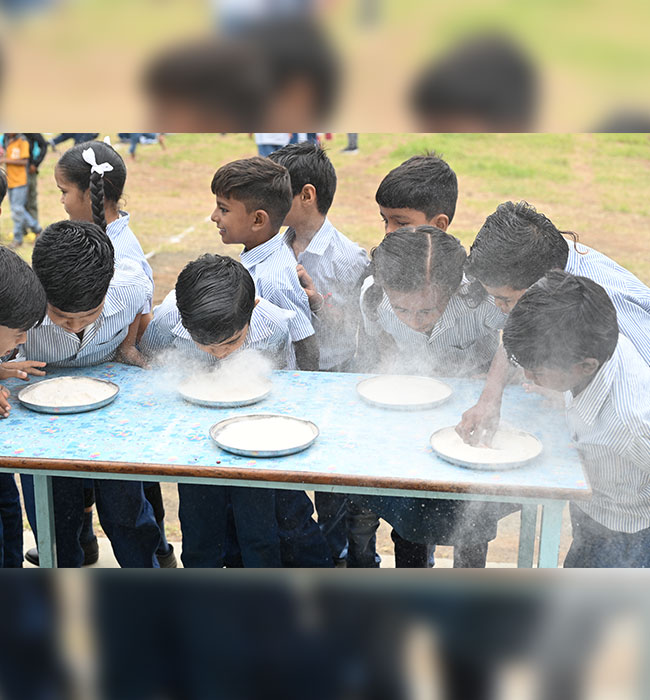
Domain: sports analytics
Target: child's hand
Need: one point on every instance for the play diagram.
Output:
(554, 399)
(479, 423)
(130, 355)
(5, 406)
(22, 370)
(316, 299)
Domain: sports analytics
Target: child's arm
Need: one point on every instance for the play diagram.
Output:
(14, 161)
(22, 370)
(5, 406)
(307, 354)
(128, 353)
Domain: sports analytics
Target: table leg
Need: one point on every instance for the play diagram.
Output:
(527, 531)
(45, 520)
(549, 537)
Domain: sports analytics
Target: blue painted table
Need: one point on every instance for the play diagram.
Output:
(150, 433)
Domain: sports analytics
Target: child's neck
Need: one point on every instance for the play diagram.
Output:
(258, 239)
(579, 388)
(111, 213)
(305, 231)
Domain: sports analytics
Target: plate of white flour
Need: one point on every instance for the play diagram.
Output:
(403, 392)
(264, 435)
(68, 394)
(510, 448)
(224, 390)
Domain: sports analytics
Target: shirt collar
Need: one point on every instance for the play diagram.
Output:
(319, 243)
(589, 401)
(119, 224)
(250, 258)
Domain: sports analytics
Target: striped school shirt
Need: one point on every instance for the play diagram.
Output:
(336, 265)
(268, 332)
(128, 247)
(462, 342)
(127, 296)
(630, 296)
(610, 424)
(273, 268)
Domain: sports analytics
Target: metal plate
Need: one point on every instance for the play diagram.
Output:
(535, 450)
(265, 390)
(24, 397)
(218, 429)
(439, 391)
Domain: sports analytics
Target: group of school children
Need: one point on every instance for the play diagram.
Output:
(528, 295)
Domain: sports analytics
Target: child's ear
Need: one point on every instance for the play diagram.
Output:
(589, 366)
(308, 194)
(260, 218)
(440, 221)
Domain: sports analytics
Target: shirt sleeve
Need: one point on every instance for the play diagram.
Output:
(300, 326)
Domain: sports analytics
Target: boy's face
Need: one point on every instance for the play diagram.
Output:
(226, 347)
(75, 202)
(236, 224)
(504, 297)
(574, 378)
(74, 322)
(419, 310)
(10, 338)
(396, 218)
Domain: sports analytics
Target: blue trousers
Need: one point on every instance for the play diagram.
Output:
(302, 542)
(596, 546)
(23, 220)
(11, 524)
(124, 513)
(203, 512)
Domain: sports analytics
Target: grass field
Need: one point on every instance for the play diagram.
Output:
(596, 185)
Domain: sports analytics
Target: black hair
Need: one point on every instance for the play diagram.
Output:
(516, 246)
(74, 261)
(486, 78)
(411, 258)
(258, 183)
(3, 185)
(216, 297)
(425, 183)
(108, 186)
(308, 164)
(22, 298)
(560, 321)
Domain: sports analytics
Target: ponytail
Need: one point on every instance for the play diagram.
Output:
(97, 200)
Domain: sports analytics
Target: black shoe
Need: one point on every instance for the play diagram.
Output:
(167, 561)
(350, 151)
(90, 548)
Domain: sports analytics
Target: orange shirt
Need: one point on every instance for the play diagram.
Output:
(16, 174)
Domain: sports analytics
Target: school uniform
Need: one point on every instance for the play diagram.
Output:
(336, 266)
(631, 298)
(204, 510)
(272, 266)
(126, 516)
(127, 246)
(268, 332)
(610, 423)
(462, 342)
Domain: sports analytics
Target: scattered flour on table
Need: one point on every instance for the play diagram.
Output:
(403, 390)
(68, 391)
(261, 434)
(506, 447)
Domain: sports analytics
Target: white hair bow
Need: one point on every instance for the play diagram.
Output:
(89, 156)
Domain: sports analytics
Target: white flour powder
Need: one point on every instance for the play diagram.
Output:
(262, 434)
(398, 390)
(68, 391)
(507, 446)
(226, 388)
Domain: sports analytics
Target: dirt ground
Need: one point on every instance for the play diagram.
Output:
(594, 184)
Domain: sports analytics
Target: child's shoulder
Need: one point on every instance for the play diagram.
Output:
(630, 388)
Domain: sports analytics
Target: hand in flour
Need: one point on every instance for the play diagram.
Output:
(22, 370)
(5, 407)
(480, 422)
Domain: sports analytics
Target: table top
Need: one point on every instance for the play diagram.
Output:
(150, 429)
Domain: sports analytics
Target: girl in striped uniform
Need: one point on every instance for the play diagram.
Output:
(419, 312)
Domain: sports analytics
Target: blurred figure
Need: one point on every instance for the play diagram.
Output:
(134, 139)
(353, 145)
(625, 121)
(268, 143)
(487, 83)
(77, 138)
(273, 75)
